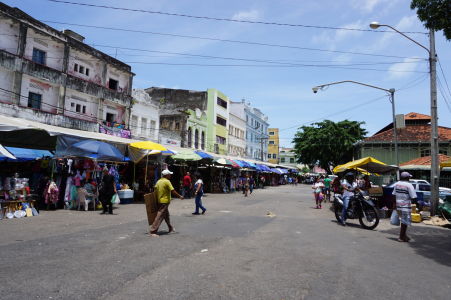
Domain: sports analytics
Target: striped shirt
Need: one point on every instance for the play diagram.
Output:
(404, 192)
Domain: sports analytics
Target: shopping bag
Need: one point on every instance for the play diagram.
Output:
(394, 219)
(115, 199)
(34, 211)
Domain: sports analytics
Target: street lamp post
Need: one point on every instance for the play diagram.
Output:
(392, 100)
(434, 118)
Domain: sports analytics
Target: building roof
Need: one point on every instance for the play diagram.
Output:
(425, 161)
(411, 133)
(416, 116)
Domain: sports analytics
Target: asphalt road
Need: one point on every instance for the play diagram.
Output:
(235, 251)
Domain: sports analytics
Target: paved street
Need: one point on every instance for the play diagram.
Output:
(297, 253)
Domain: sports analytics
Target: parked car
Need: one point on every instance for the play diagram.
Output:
(421, 187)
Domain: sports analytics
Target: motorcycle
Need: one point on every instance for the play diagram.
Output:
(359, 207)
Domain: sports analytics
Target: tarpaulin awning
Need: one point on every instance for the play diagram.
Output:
(187, 155)
(283, 171)
(23, 154)
(264, 168)
(277, 171)
(445, 164)
(95, 149)
(204, 155)
(368, 164)
(5, 154)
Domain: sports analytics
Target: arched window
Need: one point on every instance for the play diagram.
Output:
(196, 139)
(190, 137)
(202, 141)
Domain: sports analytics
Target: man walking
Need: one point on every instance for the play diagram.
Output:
(405, 193)
(187, 185)
(199, 192)
(163, 192)
(107, 191)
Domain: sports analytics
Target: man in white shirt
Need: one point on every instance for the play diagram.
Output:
(349, 186)
(199, 192)
(405, 193)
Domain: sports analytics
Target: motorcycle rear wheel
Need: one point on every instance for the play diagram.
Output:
(369, 219)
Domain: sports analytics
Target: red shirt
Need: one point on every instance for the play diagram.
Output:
(186, 180)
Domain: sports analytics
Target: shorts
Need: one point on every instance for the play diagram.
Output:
(405, 217)
(326, 190)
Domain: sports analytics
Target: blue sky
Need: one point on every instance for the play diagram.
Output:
(283, 93)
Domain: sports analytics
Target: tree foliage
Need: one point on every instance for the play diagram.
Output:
(327, 143)
(435, 14)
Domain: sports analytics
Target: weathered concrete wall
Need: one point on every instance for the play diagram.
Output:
(49, 92)
(172, 100)
(47, 118)
(74, 98)
(6, 84)
(94, 65)
(145, 120)
(54, 49)
(10, 32)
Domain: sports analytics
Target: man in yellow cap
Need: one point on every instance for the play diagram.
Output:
(163, 192)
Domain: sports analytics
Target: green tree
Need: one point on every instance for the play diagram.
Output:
(435, 14)
(327, 143)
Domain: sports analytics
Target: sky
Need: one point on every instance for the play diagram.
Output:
(274, 67)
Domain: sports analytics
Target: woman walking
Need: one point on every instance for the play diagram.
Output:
(199, 192)
(318, 192)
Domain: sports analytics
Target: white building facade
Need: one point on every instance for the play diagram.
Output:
(287, 157)
(144, 120)
(237, 133)
(54, 78)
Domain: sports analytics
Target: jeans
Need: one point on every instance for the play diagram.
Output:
(187, 192)
(199, 203)
(345, 207)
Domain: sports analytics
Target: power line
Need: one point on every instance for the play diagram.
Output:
(220, 19)
(225, 40)
(444, 77)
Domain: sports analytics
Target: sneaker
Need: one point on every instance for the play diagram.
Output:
(196, 213)
(203, 212)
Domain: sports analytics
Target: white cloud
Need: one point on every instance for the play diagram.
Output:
(250, 15)
(404, 69)
(333, 37)
(368, 6)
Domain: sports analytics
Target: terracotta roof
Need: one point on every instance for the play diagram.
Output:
(416, 116)
(411, 133)
(425, 161)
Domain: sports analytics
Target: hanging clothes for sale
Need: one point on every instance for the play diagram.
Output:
(52, 193)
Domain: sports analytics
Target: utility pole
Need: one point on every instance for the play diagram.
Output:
(261, 149)
(434, 125)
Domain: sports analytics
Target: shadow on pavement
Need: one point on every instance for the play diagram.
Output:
(430, 242)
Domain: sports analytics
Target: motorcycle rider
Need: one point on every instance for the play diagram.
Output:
(349, 185)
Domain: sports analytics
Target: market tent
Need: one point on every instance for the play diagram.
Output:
(277, 171)
(138, 150)
(368, 164)
(23, 154)
(95, 149)
(5, 154)
(204, 155)
(445, 164)
(187, 155)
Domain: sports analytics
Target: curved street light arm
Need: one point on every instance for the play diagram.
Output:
(407, 37)
(390, 91)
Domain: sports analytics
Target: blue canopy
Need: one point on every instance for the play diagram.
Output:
(284, 171)
(91, 148)
(23, 154)
(264, 168)
(277, 171)
(203, 154)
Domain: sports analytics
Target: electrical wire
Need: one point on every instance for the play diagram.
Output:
(219, 19)
(224, 40)
(444, 77)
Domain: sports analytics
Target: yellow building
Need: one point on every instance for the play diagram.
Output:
(273, 145)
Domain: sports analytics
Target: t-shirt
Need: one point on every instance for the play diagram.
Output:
(404, 192)
(327, 182)
(318, 187)
(350, 188)
(201, 191)
(163, 189)
(186, 180)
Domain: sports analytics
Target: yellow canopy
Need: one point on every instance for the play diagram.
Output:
(445, 164)
(366, 164)
(148, 145)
